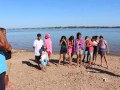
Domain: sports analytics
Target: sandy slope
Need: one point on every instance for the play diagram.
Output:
(25, 75)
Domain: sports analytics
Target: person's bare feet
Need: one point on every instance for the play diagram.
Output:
(107, 67)
(101, 65)
(43, 69)
(80, 65)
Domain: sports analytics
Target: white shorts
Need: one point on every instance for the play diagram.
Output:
(80, 52)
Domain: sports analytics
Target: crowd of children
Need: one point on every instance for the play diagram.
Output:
(85, 50)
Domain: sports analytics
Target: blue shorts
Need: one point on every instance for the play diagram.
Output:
(44, 63)
(102, 51)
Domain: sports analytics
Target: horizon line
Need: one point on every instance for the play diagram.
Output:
(65, 27)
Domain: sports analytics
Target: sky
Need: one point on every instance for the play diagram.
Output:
(49, 13)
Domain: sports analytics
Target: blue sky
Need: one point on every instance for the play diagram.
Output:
(45, 13)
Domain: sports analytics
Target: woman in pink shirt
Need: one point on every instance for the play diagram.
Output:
(48, 45)
(79, 47)
(91, 49)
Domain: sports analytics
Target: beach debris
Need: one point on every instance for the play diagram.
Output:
(105, 79)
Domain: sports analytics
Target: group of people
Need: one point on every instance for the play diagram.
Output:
(90, 47)
(86, 49)
(43, 50)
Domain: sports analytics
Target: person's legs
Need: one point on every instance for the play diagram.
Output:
(91, 58)
(60, 59)
(64, 55)
(89, 62)
(105, 60)
(2, 82)
(78, 59)
(101, 59)
(70, 59)
(95, 57)
(49, 56)
(37, 58)
(86, 56)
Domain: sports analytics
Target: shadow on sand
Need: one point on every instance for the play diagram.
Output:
(31, 65)
(102, 71)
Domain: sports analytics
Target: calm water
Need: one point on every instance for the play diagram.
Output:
(23, 39)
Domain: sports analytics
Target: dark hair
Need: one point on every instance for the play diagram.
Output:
(71, 37)
(78, 34)
(2, 29)
(101, 37)
(86, 37)
(38, 35)
(62, 38)
(95, 37)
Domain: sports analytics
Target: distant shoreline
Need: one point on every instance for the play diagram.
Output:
(60, 27)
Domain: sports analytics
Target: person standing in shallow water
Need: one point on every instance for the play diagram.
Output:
(4, 46)
(37, 45)
(79, 47)
(103, 48)
(63, 49)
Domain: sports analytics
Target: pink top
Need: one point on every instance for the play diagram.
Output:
(48, 44)
(91, 48)
(79, 44)
(70, 44)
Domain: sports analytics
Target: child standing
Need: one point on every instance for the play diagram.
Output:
(44, 59)
(91, 49)
(95, 53)
(86, 55)
(79, 47)
(48, 45)
(103, 48)
(70, 49)
(63, 50)
(37, 45)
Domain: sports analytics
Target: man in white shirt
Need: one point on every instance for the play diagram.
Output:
(37, 45)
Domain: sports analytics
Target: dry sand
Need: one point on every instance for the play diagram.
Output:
(26, 75)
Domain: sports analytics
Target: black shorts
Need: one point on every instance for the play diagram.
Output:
(95, 50)
(63, 50)
(2, 82)
(38, 58)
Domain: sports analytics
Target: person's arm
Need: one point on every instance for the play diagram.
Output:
(60, 43)
(34, 44)
(87, 44)
(82, 44)
(107, 47)
(64, 41)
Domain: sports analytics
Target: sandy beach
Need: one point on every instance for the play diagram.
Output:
(24, 74)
